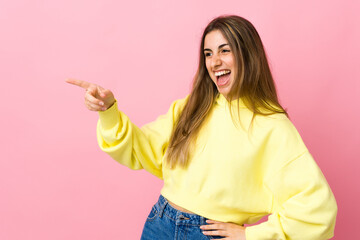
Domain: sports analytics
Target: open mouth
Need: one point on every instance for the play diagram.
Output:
(222, 77)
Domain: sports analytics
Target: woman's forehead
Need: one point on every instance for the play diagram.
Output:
(214, 40)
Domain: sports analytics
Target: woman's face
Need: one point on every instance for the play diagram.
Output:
(219, 61)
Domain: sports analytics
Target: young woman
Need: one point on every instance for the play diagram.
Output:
(228, 154)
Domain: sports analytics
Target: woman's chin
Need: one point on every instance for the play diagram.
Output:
(224, 91)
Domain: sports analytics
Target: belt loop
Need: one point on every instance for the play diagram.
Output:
(162, 207)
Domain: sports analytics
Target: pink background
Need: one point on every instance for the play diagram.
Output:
(55, 183)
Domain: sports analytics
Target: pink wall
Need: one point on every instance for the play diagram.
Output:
(55, 183)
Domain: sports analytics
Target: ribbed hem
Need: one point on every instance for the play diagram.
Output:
(205, 207)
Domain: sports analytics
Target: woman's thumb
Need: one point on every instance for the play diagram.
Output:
(101, 93)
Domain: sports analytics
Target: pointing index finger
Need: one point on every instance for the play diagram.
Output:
(78, 83)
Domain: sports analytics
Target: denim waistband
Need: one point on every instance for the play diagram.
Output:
(163, 207)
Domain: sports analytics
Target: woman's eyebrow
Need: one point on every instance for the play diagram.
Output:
(221, 46)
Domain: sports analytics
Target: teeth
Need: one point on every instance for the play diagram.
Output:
(217, 74)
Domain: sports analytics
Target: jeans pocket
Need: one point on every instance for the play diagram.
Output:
(153, 214)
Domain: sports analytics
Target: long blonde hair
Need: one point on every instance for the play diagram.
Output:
(253, 83)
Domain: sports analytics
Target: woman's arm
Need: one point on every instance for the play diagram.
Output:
(303, 206)
(134, 147)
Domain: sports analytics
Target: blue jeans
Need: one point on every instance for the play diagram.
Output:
(167, 223)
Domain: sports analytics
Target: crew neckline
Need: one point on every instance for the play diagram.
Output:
(222, 101)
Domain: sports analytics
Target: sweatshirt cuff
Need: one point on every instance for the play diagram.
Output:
(249, 234)
(110, 117)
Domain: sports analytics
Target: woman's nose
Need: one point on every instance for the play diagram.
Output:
(216, 61)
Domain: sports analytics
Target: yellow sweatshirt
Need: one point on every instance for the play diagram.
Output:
(234, 175)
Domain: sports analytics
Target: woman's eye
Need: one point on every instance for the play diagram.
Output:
(226, 50)
(207, 54)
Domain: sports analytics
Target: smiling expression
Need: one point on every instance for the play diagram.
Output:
(219, 61)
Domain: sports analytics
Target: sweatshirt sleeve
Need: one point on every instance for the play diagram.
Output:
(134, 147)
(303, 205)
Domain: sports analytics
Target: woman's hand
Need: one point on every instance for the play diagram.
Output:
(230, 231)
(96, 97)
